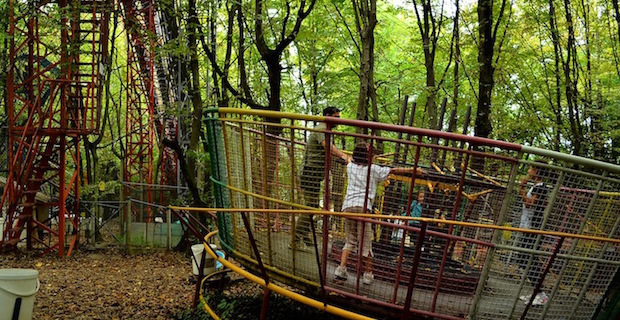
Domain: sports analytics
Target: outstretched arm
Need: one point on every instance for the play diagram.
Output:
(338, 153)
(401, 170)
(528, 201)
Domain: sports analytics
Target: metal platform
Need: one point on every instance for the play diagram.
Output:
(469, 261)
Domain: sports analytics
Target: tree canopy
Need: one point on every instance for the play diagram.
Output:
(539, 73)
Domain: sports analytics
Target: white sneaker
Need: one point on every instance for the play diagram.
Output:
(341, 273)
(526, 297)
(368, 278)
(541, 299)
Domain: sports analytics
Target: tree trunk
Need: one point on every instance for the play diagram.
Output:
(365, 79)
(431, 93)
(486, 45)
(429, 32)
(366, 21)
(557, 52)
(617, 16)
(572, 94)
(457, 56)
(91, 147)
(215, 94)
(4, 58)
(196, 121)
(274, 70)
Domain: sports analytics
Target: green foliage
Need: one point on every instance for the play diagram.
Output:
(4, 62)
(91, 191)
(197, 314)
(321, 67)
(246, 306)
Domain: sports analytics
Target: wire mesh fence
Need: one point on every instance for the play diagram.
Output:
(483, 229)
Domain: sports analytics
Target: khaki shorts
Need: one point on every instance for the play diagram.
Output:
(352, 229)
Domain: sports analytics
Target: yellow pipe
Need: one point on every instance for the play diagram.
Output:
(374, 216)
(277, 289)
(271, 114)
(428, 220)
(260, 123)
(277, 125)
(208, 309)
(485, 177)
(262, 197)
(441, 185)
(437, 168)
(475, 196)
(609, 193)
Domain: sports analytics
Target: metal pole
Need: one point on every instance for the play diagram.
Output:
(169, 233)
(542, 277)
(414, 270)
(128, 225)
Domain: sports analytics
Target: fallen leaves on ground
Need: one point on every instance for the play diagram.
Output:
(108, 284)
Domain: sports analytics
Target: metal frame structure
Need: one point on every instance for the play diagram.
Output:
(139, 122)
(471, 260)
(144, 123)
(53, 102)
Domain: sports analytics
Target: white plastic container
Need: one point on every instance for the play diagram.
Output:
(17, 291)
(209, 266)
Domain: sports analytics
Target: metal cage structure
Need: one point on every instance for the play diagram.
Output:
(54, 91)
(466, 257)
(54, 88)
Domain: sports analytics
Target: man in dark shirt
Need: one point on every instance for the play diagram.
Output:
(312, 173)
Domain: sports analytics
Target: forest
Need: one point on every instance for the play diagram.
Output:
(538, 73)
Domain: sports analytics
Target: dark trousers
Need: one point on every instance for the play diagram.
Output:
(528, 241)
(311, 188)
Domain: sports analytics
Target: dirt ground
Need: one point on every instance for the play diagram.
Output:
(111, 284)
(108, 284)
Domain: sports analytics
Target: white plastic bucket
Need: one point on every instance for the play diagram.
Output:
(17, 290)
(209, 266)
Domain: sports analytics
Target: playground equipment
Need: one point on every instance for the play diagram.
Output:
(54, 90)
(53, 101)
(459, 262)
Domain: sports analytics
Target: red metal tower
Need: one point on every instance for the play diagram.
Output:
(167, 122)
(53, 101)
(139, 122)
(143, 121)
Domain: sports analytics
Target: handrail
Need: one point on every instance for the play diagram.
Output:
(372, 125)
(408, 218)
(425, 132)
(278, 289)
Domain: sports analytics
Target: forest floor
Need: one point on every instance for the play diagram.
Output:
(108, 283)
